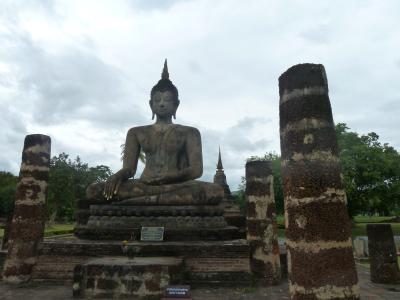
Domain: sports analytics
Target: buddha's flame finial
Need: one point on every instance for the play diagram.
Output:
(165, 74)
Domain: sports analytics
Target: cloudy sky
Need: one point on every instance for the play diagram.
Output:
(81, 71)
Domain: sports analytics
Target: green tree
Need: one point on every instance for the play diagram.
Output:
(8, 184)
(68, 180)
(371, 172)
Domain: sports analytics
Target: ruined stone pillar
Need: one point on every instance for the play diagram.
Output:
(27, 226)
(262, 232)
(382, 254)
(318, 229)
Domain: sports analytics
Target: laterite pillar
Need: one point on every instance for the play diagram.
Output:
(261, 222)
(27, 225)
(318, 228)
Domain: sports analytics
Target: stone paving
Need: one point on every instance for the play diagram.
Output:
(42, 291)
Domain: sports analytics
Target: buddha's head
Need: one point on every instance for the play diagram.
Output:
(164, 99)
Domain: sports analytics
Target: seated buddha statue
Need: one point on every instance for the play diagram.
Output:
(173, 160)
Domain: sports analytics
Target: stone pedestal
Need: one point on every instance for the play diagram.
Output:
(188, 211)
(261, 222)
(120, 277)
(318, 230)
(27, 226)
(382, 254)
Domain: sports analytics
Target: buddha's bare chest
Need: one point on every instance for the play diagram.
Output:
(162, 142)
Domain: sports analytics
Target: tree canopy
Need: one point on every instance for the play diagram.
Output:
(8, 183)
(68, 180)
(371, 174)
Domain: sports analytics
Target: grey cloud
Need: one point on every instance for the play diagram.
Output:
(154, 4)
(11, 140)
(72, 85)
(195, 67)
(317, 33)
(391, 106)
(11, 9)
(235, 145)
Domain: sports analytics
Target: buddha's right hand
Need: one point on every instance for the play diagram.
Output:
(112, 186)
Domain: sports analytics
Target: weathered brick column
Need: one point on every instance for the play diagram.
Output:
(318, 229)
(27, 225)
(261, 221)
(382, 254)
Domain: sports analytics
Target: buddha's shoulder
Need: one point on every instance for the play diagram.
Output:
(187, 129)
(140, 129)
(148, 129)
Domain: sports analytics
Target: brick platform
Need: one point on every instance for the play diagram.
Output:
(210, 262)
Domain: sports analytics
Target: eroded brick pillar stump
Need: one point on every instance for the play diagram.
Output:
(318, 229)
(27, 224)
(382, 254)
(261, 222)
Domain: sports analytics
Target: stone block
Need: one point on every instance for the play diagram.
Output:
(360, 248)
(383, 256)
(116, 277)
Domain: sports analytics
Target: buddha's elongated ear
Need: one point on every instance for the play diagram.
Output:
(152, 111)
(176, 108)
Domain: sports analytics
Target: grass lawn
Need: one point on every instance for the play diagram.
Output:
(358, 229)
(57, 229)
(53, 230)
(372, 219)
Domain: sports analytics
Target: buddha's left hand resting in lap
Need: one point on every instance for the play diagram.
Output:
(173, 157)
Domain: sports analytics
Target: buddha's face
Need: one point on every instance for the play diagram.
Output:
(163, 104)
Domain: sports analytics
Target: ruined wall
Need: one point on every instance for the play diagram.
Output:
(318, 229)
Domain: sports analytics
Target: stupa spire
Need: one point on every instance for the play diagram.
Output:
(219, 176)
(219, 164)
